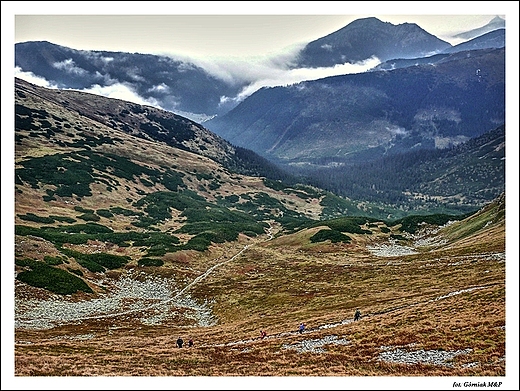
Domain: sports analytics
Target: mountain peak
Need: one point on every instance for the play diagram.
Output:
(494, 24)
(497, 20)
(370, 37)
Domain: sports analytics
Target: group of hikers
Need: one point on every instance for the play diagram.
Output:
(180, 342)
(302, 326)
(263, 333)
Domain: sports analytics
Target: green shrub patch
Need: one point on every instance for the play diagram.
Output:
(150, 262)
(38, 219)
(104, 213)
(53, 279)
(411, 224)
(73, 173)
(89, 217)
(63, 219)
(52, 261)
(97, 262)
(329, 234)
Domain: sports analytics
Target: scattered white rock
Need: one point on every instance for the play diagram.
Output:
(434, 357)
(391, 250)
(154, 299)
(316, 345)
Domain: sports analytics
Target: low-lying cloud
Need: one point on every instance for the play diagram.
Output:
(247, 74)
(123, 92)
(270, 71)
(32, 78)
(286, 77)
(117, 90)
(70, 67)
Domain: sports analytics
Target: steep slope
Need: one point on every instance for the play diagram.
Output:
(102, 184)
(370, 37)
(485, 226)
(493, 39)
(150, 123)
(365, 116)
(174, 85)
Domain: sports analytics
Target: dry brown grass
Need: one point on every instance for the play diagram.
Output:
(432, 301)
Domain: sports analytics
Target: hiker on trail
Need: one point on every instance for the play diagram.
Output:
(179, 342)
(190, 342)
(357, 315)
(262, 334)
(301, 328)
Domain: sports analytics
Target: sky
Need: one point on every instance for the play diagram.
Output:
(220, 30)
(245, 40)
(212, 35)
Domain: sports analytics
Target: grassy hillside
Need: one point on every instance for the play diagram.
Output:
(123, 244)
(432, 303)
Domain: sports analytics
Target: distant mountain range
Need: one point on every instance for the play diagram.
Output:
(495, 24)
(191, 91)
(174, 85)
(360, 117)
(317, 132)
(491, 40)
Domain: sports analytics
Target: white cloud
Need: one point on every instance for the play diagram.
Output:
(70, 67)
(327, 47)
(238, 70)
(123, 92)
(161, 88)
(114, 90)
(105, 78)
(267, 71)
(185, 66)
(97, 57)
(32, 78)
(272, 77)
(134, 74)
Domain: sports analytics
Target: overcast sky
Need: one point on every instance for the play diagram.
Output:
(244, 29)
(211, 35)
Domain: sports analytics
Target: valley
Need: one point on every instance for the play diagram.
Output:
(349, 228)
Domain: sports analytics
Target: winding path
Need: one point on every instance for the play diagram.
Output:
(278, 335)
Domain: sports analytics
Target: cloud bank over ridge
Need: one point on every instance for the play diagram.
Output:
(248, 74)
